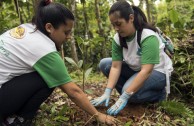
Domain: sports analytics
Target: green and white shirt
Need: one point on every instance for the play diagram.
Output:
(151, 52)
(24, 49)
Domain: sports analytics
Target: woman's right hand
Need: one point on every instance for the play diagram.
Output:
(104, 98)
(108, 120)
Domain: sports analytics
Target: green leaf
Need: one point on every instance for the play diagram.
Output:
(63, 110)
(53, 109)
(61, 118)
(86, 43)
(87, 73)
(71, 61)
(129, 123)
(88, 91)
(173, 16)
(182, 59)
(98, 39)
(79, 39)
(80, 63)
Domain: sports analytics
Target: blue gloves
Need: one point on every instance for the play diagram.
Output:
(120, 104)
(104, 98)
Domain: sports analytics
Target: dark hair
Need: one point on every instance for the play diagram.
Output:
(50, 12)
(140, 21)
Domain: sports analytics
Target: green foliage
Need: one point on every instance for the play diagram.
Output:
(173, 16)
(182, 77)
(175, 108)
(129, 123)
(180, 14)
(175, 24)
(56, 115)
(82, 65)
(79, 66)
(8, 17)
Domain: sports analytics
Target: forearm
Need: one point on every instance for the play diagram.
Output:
(141, 77)
(114, 74)
(79, 98)
(137, 83)
(113, 77)
(82, 101)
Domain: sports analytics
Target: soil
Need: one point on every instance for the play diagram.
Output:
(132, 113)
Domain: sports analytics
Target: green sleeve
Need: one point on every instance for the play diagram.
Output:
(52, 69)
(150, 50)
(117, 52)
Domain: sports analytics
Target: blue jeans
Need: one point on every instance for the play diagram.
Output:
(153, 89)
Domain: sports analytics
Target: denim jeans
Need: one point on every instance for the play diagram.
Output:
(153, 89)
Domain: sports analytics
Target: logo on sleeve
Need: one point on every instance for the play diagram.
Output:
(17, 32)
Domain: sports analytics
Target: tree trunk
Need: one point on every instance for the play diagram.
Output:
(73, 47)
(85, 20)
(34, 2)
(16, 2)
(148, 10)
(101, 30)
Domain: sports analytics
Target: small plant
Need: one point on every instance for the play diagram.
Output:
(82, 65)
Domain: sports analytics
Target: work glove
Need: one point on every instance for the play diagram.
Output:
(104, 98)
(120, 104)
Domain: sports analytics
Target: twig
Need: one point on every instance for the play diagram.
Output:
(91, 118)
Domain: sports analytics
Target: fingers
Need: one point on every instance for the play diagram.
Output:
(110, 121)
(107, 101)
(100, 100)
(95, 102)
(112, 110)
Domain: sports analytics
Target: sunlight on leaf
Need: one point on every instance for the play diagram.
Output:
(71, 61)
(61, 118)
(128, 123)
(80, 63)
(87, 73)
(88, 91)
(173, 16)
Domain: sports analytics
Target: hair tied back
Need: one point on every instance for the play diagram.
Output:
(48, 2)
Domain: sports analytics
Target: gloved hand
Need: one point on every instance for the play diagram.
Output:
(104, 98)
(120, 104)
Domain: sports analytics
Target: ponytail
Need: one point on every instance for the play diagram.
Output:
(50, 12)
(140, 20)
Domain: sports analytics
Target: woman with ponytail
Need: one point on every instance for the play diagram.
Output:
(31, 67)
(140, 70)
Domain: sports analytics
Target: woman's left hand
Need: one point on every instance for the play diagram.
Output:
(120, 104)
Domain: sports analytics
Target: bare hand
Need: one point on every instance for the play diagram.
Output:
(108, 120)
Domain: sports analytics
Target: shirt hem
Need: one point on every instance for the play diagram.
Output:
(59, 83)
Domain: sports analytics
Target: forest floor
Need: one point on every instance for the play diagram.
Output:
(59, 110)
